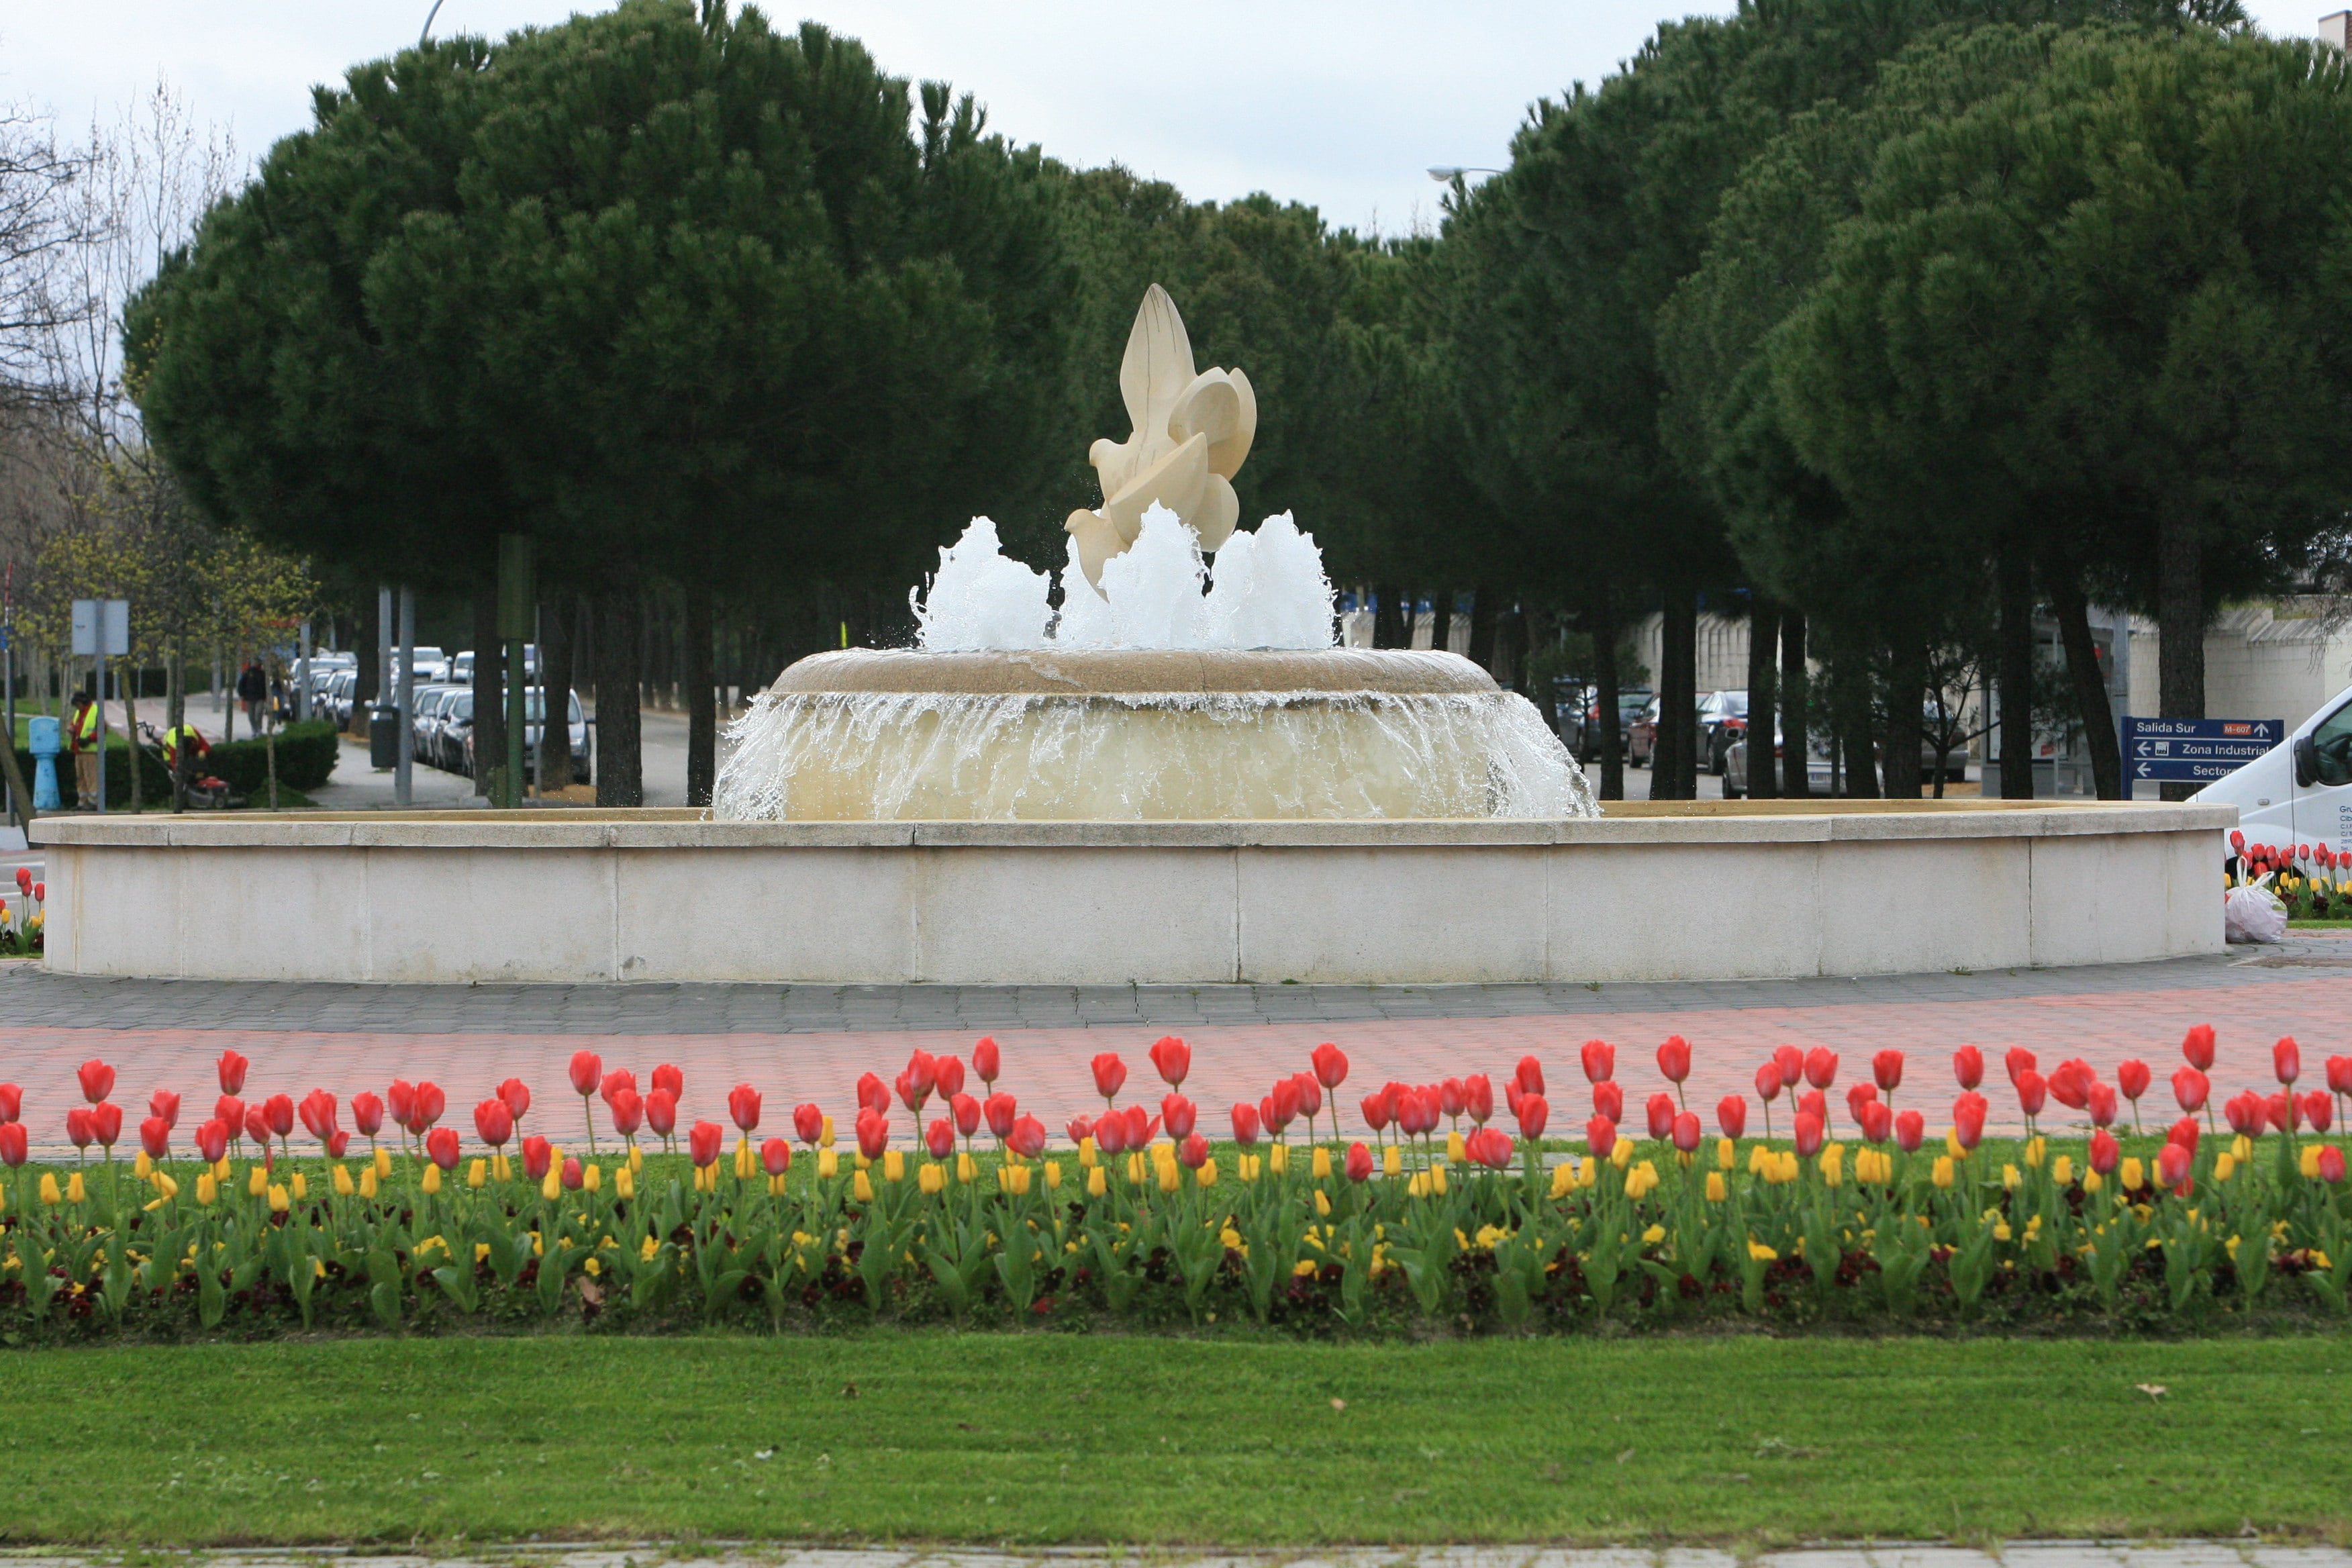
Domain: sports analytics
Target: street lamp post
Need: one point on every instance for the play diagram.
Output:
(1441, 173)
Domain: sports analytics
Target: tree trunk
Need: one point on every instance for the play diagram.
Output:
(1389, 628)
(1603, 621)
(1907, 726)
(364, 688)
(1482, 628)
(490, 680)
(1860, 742)
(2016, 588)
(701, 698)
(1795, 688)
(1441, 631)
(1674, 772)
(2179, 621)
(620, 760)
(1763, 646)
(128, 682)
(2073, 608)
(555, 691)
(176, 714)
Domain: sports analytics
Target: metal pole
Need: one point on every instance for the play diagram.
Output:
(98, 660)
(404, 706)
(539, 641)
(302, 678)
(516, 599)
(8, 645)
(384, 634)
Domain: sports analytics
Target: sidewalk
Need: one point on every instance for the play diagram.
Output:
(803, 1042)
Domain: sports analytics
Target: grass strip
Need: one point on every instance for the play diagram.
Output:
(1047, 1438)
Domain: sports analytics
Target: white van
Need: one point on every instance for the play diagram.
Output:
(2300, 791)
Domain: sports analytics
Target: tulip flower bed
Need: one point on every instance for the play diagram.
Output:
(1436, 1220)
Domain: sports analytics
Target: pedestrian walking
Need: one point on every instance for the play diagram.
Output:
(253, 695)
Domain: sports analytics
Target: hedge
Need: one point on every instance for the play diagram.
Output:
(305, 757)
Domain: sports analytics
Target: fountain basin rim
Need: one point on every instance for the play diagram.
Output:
(1083, 672)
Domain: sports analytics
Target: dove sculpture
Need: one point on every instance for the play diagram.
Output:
(1192, 433)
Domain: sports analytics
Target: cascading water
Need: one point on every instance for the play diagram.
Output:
(1166, 685)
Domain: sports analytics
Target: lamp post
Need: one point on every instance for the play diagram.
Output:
(1443, 173)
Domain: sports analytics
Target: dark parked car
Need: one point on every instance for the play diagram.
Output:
(1580, 723)
(1722, 719)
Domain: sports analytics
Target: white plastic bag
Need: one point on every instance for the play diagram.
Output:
(2253, 913)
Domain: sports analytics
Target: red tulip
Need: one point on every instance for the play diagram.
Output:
(1109, 1074)
(2318, 1109)
(1815, 1104)
(1968, 1119)
(401, 1097)
(938, 1138)
(2246, 1114)
(23, 879)
(494, 1122)
(1791, 1062)
(1821, 1066)
(1910, 1131)
(743, 1107)
(1767, 1082)
(2284, 1110)
(166, 1104)
(873, 1094)
(2172, 1168)
(279, 1111)
(965, 1110)
(987, 1060)
(155, 1137)
(1534, 1112)
(231, 1067)
(1172, 1059)
(1330, 1065)
(808, 1123)
(1360, 1161)
(441, 1145)
(661, 1112)
(106, 1124)
(2339, 1075)
(911, 1090)
(1732, 1115)
(1968, 1065)
(775, 1156)
(703, 1141)
(1599, 1062)
(2103, 1105)
(1686, 1132)
(211, 1140)
(1111, 1133)
(1028, 1138)
(923, 1072)
(367, 1113)
(1246, 1123)
(2185, 1133)
(587, 1072)
(1608, 1099)
(15, 1144)
(572, 1176)
(77, 1127)
(2331, 1164)
(2032, 1091)
(1528, 1075)
(40, 892)
(1886, 1070)
(257, 1126)
(1600, 1136)
(1178, 1114)
(515, 1095)
(1478, 1098)
(1858, 1095)
(873, 1133)
(1662, 1115)
(665, 1076)
(12, 1104)
(1140, 1128)
(2106, 1153)
(2286, 1060)
(2070, 1083)
(2132, 1077)
(1808, 1135)
(537, 1152)
(1310, 1095)
(1285, 1097)
(2197, 1045)
(2190, 1088)
(1081, 1128)
(1375, 1108)
(1490, 1147)
(97, 1079)
(228, 1108)
(2017, 1059)
(2238, 840)
(947, 1077)
(317, 1113)
(628, 1109)
(1453, 1097)
(1001, 1110)
(1876, 1120)
(430, 1103)
(1674, 1058)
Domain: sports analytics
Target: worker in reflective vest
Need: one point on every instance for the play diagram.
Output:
(81, 739)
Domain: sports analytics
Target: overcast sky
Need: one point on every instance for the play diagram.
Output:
(1341, 105)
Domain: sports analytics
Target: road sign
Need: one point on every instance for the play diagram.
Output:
(101, 629)
(2195, 751)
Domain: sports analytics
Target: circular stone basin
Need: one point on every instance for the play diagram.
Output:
(868, 734)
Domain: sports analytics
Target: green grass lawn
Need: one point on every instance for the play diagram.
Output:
(1055, 1438)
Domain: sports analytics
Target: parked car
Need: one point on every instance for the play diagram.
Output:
(1722, 719)
(423, 720)
(336, 701)
(1642, 735)
(1818, 771)
(534, 712)
(1582, 737)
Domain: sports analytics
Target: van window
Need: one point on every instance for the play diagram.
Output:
(2333, 740)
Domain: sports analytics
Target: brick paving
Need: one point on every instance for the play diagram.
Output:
(811, 1042)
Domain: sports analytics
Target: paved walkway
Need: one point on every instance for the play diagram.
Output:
(799, 1042)
(2013, 1554)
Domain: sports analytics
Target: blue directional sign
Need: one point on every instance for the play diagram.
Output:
(2195, 751)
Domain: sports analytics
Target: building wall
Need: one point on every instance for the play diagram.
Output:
(1722, 651)
(2281, 661)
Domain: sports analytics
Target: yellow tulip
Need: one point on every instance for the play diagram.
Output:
(2309, 1162)
(968, 1168)
(207, 1190)
(636, 1158)
(2242, 1147)
(2062, 1170)
(1252, 1166)
(1392, 1161)
(1942, 1173)
(624, 1182)
(501, 1168)
(1054, 1175)
(861, 1187)
(338, 1177)
(477, 1173)
(367, 1181)
(1761, 1253)
(2133, 1173)
(301, 1185)
(383, 1164)
(1726, 1156)
(1322, 1204)
(1438, 1180)
(1021, 1174)
(220, 1169)
(931, 1180)
(893, 1165)
(2010, 1178)
(1087, 1152)
(2093, 1182)
(432, 1183)
(142, 1166)
(1952, 1144)
(2036, 1148)
(1716, 1190)
(824, 1134)
(1455, 1151)
(1833, 1164)
(860, 1161)
(1278, 1159)
(828, 1163)
(279, 1202)
(2000, 1231)
(747, 1165)
(1563, 1179)
(1655, 1234)
(1097, 1185)
(1167, 1176)
(551, 1188)
(49, 1194)
(1623, 1155)
(1206, 1177)
(1322, 1165)
(2225, 1167)
(593, 1179)
(256, 1181)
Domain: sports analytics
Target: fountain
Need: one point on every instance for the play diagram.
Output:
(1167, 773)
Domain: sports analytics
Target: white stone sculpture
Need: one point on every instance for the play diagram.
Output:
(1192, 432)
